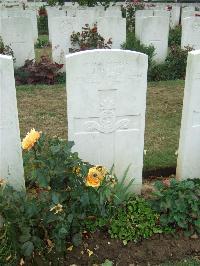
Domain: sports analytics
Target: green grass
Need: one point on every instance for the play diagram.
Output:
(44, 107)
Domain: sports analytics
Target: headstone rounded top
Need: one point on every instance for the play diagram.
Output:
(106, 51)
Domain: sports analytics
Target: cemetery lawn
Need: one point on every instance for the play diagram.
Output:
(44, 108)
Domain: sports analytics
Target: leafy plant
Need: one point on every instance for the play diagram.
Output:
(42, 22)
(128, 12)
(45, 71)
(6, 49)
(88, 39)
(175, 36)
(174, 66)
(63, 197)
(134, 220)
(134, 45)
(42, 44)
(179, 204)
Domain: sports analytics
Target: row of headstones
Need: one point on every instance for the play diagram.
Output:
(106, 102)
(152, 28)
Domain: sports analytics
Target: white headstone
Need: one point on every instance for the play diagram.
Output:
(106, 102)
(155, 31)
(175, 16)
(188, 163)
(18, 34)
(62, 28)
(28, 14)
(113, 11)
(11, 164)
(139, 15)
(114, 28)
(54, 12)
(191, 33)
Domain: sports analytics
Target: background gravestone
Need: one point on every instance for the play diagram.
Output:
(11, 164)
(114, 28)
(188, 163)
(191, 33)
(106, 101)
(62, 28)
(139, 15)
(17, 32)
(155, 31)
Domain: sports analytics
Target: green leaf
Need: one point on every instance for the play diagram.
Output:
(27, 248)
(77, 239)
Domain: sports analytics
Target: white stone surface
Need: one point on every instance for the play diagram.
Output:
(114, 28)
(188, 163)
(62, 28)
(175, 16)
(27, 14)
(52, 13)
(191, 33)
(155, 31)
(113, 11)
(160, 13)
(18, 34)
(139, 15)
(106, 102)
(11, 164)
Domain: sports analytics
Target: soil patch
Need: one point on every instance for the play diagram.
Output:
(154, 251)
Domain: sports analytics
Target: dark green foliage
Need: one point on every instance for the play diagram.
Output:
(179, 204)
(173, 68)
(57, 206)
(134, 221)
(175, 36)
(134, 45)
(42, 24)
(128, 12)
(42, 43)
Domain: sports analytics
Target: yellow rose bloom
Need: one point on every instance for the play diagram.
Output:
(57, 208)
(2, 182)
(31, 138)
(95, 175)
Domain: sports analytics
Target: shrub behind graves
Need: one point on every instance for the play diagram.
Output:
(45, 71)
(88, 39)
(175, 36)
(42, 21)
(134, 45)
(173, 68)
(179, 204)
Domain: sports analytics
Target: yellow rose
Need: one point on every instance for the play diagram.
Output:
(95, 175)
(57, 208)
(31, 138)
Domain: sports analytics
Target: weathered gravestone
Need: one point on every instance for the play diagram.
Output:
(114, 28)
(155, 31)
(191, 33)
(106, 101)
(188, 163)
(62, 28)
(52, 13)
(11, 164)
(17, 32)
(27, 14)
(139, 15)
